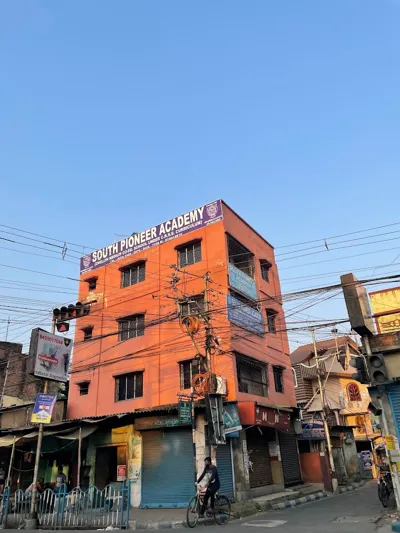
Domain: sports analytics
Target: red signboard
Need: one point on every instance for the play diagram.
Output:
(266, 416)
(121, 472)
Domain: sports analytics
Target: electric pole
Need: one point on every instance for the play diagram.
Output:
(323, 414)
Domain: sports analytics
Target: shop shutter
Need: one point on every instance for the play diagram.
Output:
(168, 468)
(224, 465)
(394, 398)
(290, 459)
(260, 472)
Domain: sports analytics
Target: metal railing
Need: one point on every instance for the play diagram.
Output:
(60, 509)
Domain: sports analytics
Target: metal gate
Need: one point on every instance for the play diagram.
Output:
(168, 468)
(260, 464)
(290, 459)
(224, 465)
(78, 509)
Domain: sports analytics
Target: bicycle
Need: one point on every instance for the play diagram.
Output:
(385, 484)
(221, 511)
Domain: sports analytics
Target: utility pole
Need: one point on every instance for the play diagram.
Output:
(3, 391)
(207, 322)
(33, 513)
(326, 427)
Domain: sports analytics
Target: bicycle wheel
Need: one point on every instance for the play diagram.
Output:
(192, 513)
(222, 510)
(383, 494)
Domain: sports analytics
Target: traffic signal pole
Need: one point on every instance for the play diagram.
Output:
(326, 427)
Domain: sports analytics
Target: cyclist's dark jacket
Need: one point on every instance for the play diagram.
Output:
(214, 477)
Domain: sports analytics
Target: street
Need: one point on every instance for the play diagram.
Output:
(349, 512)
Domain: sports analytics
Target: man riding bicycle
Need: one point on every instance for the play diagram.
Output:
(213, 484)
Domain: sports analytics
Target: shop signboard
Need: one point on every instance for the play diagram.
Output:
(185, 412)
(43, 408)
(244, 316)
(312, 430)
(242, 282)
(231, 419)
(155, 422)
(267, 416)
(156, 235)
(51, 355)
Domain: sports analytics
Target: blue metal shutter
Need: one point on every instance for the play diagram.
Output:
(224, 465)
(394, 398)
(168, 468)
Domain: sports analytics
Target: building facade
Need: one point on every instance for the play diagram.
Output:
(133, 355)
(347, 401)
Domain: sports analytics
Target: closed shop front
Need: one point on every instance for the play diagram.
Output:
(224, 465)
(394, 398)
(260, 472)
(290, 459)
(167, 468)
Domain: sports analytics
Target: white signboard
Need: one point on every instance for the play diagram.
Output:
(52, 355)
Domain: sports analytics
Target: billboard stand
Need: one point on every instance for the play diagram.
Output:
(33, 514)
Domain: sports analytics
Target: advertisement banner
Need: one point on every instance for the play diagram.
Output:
(244, 316)
(52, 354)
(121, 472)
(386, 303)
(231, 419)
(171, 229)
(43, 408)
(242, 282)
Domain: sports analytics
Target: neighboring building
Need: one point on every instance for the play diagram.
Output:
(347, 402)
(17, 385)
(131, 356)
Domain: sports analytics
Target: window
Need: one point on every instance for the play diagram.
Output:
(92, 283)
(129, 386)
(131, 327)
(133, 274)
(252, 376)
(240, 256)
(278, 378)
(353, 392)
(271, 320)
(193, 306)
(189, 254)
(187, 370)
(87, 333)
(84, 388)
(265, 266)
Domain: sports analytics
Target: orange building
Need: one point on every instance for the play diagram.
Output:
(131, 355)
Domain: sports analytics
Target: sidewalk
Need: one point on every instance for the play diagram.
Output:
(175, 518)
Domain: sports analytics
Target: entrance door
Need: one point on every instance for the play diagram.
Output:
(107, 460)
(168, 468)
(290, 459)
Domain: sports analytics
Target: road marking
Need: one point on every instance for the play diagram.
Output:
(265, 523)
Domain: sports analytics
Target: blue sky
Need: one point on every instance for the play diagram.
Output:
(119, 115)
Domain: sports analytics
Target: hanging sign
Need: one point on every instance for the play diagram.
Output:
(185, 412)
(43, 408)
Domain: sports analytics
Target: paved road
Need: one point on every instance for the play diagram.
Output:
(352, 512)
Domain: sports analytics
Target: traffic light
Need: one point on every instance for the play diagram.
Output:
(62, 327)
(71, 312)
(377, 369)
(361, 375)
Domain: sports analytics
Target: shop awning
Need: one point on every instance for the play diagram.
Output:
(85, 432)
(8, 440)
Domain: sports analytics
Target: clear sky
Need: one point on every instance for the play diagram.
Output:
(117, 115)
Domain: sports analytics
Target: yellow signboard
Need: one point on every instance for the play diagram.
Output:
(386, 303)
